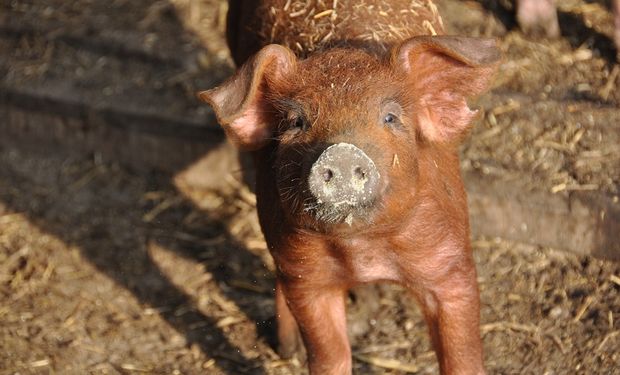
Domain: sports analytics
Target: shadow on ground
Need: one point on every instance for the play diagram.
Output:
(114, 225)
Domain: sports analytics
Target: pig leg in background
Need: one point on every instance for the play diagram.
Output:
(538, 17)
(320, 314)
(616, 10)
(288, 332)
(541, 17)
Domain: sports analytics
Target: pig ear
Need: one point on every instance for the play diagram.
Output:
(240, 103)
(442, 72)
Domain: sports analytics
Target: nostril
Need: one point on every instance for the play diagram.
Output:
(359, 173)
(328, 174)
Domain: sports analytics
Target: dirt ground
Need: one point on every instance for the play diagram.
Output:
(106, 271)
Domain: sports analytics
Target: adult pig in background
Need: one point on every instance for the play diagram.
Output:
(540, 16)
(354, 119)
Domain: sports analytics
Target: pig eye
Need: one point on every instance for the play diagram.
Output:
(390, 115)
(298, 125)
(390, 119)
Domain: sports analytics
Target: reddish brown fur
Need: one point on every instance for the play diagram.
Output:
(417, 233)
(375, 24)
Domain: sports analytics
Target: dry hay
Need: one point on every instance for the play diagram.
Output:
(552, 117)
(94, 260)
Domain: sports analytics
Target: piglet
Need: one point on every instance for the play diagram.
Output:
(354, 120)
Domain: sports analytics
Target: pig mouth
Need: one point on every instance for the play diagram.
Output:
(299, 199)
(340, 212)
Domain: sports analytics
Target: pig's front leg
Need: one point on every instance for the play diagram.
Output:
(320, 315)
(451, 307)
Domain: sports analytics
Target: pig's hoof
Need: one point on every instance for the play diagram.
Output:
(286, 351)
(294, 350)
(289, 345)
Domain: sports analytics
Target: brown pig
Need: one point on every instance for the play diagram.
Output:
(354, 119)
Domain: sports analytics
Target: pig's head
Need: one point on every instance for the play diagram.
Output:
(346, 129)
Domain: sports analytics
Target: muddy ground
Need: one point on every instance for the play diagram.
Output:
(107, 271)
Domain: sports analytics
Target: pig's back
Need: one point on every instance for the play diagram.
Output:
(307, 26)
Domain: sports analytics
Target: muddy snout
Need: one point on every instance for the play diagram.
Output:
(343, 175)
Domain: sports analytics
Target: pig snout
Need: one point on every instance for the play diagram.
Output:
(343, 177)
